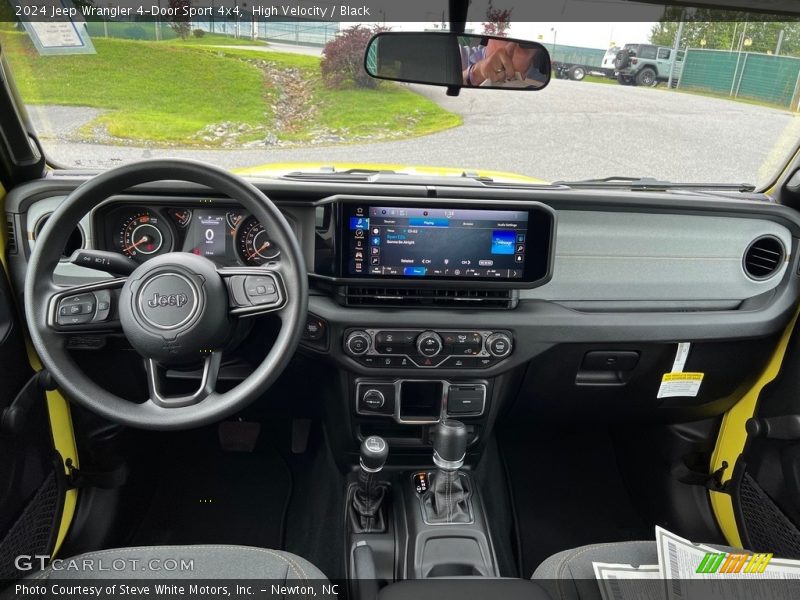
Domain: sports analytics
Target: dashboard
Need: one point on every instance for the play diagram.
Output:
(227, 235)
(588, 292)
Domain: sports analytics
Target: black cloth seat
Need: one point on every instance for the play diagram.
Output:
(569, 575)
(172, 562)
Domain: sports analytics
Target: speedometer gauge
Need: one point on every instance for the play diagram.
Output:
(252, 244)
(144, 234)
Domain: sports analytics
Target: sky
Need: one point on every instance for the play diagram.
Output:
(570, 31)
(589, 35)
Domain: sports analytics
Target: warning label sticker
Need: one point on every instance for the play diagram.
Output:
(675, 385)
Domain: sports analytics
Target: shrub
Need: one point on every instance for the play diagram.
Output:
(198, 33)
(343, 58)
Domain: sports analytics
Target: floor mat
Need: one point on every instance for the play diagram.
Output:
(216, 497)
(567, 491)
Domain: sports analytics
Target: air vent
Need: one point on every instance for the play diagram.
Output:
(11, 235)
(428, 297)
(764, 257)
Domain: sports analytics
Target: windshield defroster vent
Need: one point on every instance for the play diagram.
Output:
(764, 257)
(428, 297)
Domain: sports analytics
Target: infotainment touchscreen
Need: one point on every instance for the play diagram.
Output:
(452, 243)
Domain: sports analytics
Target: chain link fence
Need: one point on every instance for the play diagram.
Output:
(299, 31)
(747, 75)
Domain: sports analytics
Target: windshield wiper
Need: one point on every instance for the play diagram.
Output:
(330, 173)
(651, 184)
(465, 178)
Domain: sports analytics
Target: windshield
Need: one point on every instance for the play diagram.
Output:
(270, 95)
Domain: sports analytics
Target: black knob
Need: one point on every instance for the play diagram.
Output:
(429, 343)
(373, 399)
(374, 452)
(357, 343)
(499, 345)
(449, 444)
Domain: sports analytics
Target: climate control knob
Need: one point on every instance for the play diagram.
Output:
(499, 345)
(429, 343)
(357, 343)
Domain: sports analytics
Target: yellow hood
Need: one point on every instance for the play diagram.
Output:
(278, 169)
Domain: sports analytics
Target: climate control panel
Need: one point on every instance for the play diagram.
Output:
(428, 348)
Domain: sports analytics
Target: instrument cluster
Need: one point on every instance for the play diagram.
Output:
(229, 236)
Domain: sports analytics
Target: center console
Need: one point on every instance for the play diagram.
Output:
(420, 397)
(419, 524)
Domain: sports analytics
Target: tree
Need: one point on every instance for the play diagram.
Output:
(497, 20)
(343, 58)
(723, 30)
(179, 22)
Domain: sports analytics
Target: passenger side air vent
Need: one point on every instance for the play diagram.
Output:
(427, 297)
(11, 235)
(763, 258)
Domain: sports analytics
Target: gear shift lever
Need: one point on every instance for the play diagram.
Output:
(447, 500)
(449, 445)
(368, 496)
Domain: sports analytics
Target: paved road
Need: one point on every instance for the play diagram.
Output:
(570, 130)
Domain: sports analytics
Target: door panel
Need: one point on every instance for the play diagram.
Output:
(32, 477)
(763, 494)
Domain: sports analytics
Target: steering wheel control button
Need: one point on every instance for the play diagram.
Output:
(357, 343)
(74, 319)
(429, 344)
(103, 299)
(76, 310)
(499, 345)
(168, 301)
(260, 289)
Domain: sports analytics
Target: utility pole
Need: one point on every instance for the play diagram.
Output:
(780, 42)
(675, 47)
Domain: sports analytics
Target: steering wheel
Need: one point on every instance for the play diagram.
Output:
(175, 309)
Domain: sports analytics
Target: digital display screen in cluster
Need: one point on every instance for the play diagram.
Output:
(407, 242)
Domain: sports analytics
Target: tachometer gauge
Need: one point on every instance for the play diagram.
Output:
(143, 235)
(252, 244)
(233, 219)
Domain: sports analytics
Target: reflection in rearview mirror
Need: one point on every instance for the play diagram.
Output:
(458, 60)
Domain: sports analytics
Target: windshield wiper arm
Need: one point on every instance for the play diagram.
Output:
(330, 173)
(652, 184)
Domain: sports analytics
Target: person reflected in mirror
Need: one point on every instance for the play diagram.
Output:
(503, 63)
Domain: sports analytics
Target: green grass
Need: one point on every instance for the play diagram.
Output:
(164, 93)
(390, 111)
(216, 39)
(159, 91)
(596, 79)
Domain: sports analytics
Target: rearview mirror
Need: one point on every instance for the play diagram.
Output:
(458, 60)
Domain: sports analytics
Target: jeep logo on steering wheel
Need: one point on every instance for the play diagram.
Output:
(167, 300)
